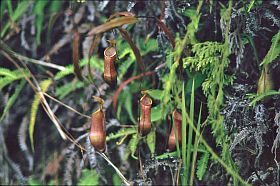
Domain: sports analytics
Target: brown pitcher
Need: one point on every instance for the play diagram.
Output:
(97, 133)
(145, 121)
(177, 119)
(110, 73)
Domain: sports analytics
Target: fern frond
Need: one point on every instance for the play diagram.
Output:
(66, 89)
(34, 108)
(13, 98)
(274, 50)
(132, 146)
(202, 165)
(13, 76)
(69, 70)
(7, 72)
(121, 132)
(89, 177)
(122, 69)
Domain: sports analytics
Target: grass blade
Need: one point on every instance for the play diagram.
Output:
(213, 154)
(190, 133)
(184, 136)
(196, 143)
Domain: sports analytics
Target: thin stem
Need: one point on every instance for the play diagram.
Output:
(63, 104)
(20, 57)
(116, 169)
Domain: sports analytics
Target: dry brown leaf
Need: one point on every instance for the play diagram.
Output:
(94, 45)
(113, 23)
(134, 48)
(167, 32)
(75, 55)
(121, 14)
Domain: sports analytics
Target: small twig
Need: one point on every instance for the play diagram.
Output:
(20, 57)
(178, 172)
(45, 104)
(63, 104)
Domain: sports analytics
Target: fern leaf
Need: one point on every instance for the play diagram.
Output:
(122, 69)
(94, 62)
(274, 50)
(89, 177)
(202, 165)
(34, 108)
(6, 72)
(12, 99)
(121, 132)
(132, 146)
(13, 76)
(62, 91)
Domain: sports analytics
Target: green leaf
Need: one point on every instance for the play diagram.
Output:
(150, 46)
(198, 80)
(12, 99)
(10, 7)
(15, 75)
(89, 177)
(62, 91)
(156, 113)
(55, 6)
(21, 8)
(39, 12)
(167, 155)
(184, 135)
(128, 106)
(116, 180)
(202, 165)
(155, 93)
(151, 141)
(7, 72)
(124, 66)
(2, 8)
(190, 130)
(32, 181)
(258, 97)
(274, 50)
(251, 5)
(95, 62)
(34, 108)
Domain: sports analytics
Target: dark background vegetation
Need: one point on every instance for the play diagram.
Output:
(43, 30)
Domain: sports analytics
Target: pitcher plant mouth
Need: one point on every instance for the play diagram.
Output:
(146, 100)
(145, 121)
(110, 52)
(176, 115)
(110, 73)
